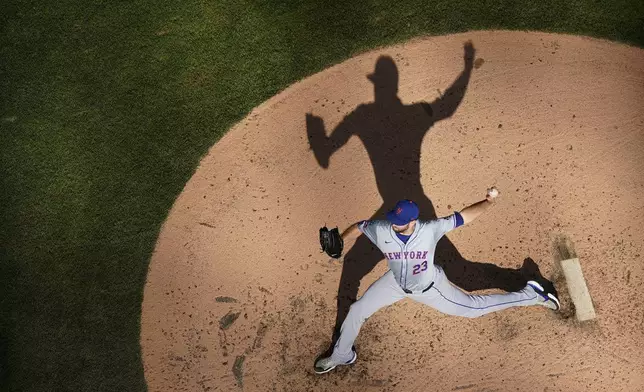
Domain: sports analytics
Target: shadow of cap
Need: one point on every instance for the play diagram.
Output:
(385, 73)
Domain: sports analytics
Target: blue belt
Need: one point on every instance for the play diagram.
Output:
(411, 292)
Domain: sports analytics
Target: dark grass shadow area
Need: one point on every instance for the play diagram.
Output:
(4, 360)
(106, 111)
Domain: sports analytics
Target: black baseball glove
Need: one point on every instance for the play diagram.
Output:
(331, 242)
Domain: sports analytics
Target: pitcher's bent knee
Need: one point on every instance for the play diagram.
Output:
(358, 312)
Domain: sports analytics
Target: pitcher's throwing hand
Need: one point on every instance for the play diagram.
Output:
(492, 193)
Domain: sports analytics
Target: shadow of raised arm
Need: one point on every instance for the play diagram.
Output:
(445, 106)
(323, 147)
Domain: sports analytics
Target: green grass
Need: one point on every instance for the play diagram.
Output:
(107, 108)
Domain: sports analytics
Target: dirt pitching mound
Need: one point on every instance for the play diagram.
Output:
(238, 295)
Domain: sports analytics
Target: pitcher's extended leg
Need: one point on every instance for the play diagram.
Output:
(449, 299)
(383, 292)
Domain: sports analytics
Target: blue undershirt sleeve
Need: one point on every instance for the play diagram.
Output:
(459, 219)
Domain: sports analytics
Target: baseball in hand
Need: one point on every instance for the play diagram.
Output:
(492, 193)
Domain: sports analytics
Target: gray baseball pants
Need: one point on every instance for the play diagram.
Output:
(443, 296)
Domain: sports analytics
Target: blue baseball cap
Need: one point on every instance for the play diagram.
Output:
(404, 212)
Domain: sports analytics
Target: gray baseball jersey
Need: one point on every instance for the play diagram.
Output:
(411, 262)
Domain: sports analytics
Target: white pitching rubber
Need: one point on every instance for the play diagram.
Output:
(578, 290)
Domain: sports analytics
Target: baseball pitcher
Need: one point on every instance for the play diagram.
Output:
(408, 245)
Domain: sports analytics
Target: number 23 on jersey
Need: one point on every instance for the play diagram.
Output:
(418, 268)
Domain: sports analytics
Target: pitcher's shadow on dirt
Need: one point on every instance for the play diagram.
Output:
(392, 134)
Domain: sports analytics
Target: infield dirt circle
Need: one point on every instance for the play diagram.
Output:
(238, 295)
